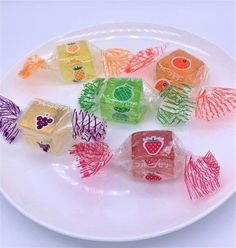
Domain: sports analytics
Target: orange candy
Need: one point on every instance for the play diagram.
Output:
(180, 67)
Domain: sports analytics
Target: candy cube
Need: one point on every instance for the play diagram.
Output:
(44, 125)
(179, 67)
(153, 155)
(75, 61)
(122, 100)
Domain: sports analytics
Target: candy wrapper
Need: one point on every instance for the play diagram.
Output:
(179, 77)
(144, 58)
(152, 156)
(79, 61)
(118, 99)
(49, 126)
(178, 102)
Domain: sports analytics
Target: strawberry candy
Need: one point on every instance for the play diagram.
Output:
(152, 156)
(48, 126)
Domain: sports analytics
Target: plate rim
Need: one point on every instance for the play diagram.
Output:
(115, 239)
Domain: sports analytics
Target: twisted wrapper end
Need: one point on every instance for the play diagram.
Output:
(88, 99)
(9, 115)
(202, 176)
(88, 127)
(144, 58)
(115, 60)
(176, 105)
(91, 157)
(32, 64)
(214, 102)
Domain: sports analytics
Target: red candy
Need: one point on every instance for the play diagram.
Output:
(153, 155)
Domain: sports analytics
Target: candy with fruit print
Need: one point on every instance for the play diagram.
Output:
(75, 61)
(79, 61)
(179, 67)
(48, 126)
(155, 155)
(119, 99)
(45, 125)
(152, 156)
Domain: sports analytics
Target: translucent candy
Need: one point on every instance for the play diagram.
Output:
(79, 61)
(179, 67)
(118, 99)
(152, 156)
(48, 126)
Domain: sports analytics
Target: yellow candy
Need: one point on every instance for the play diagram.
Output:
(75, 61)
(45, 125)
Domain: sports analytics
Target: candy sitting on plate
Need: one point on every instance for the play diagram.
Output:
(79, 61)
(152, 156)
(48, 126)
(119, 99)
(179, 67)
(155, 155)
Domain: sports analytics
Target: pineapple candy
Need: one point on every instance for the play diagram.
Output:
(79, 61)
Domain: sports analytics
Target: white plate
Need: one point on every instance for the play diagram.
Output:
(112, 206)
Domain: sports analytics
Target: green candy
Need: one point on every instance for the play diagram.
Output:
(122, 100)
(176, 106)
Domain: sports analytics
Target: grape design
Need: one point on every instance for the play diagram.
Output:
(43, 121)
(123, 93)
(44, 147)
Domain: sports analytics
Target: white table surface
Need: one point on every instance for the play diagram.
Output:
(24, 25)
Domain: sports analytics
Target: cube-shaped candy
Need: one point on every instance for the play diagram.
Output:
(153, 155)
(179, 67)
(76, 62)
(122, 100)
(45, 125)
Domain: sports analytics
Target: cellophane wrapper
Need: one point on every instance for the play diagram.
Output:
(151, 155)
